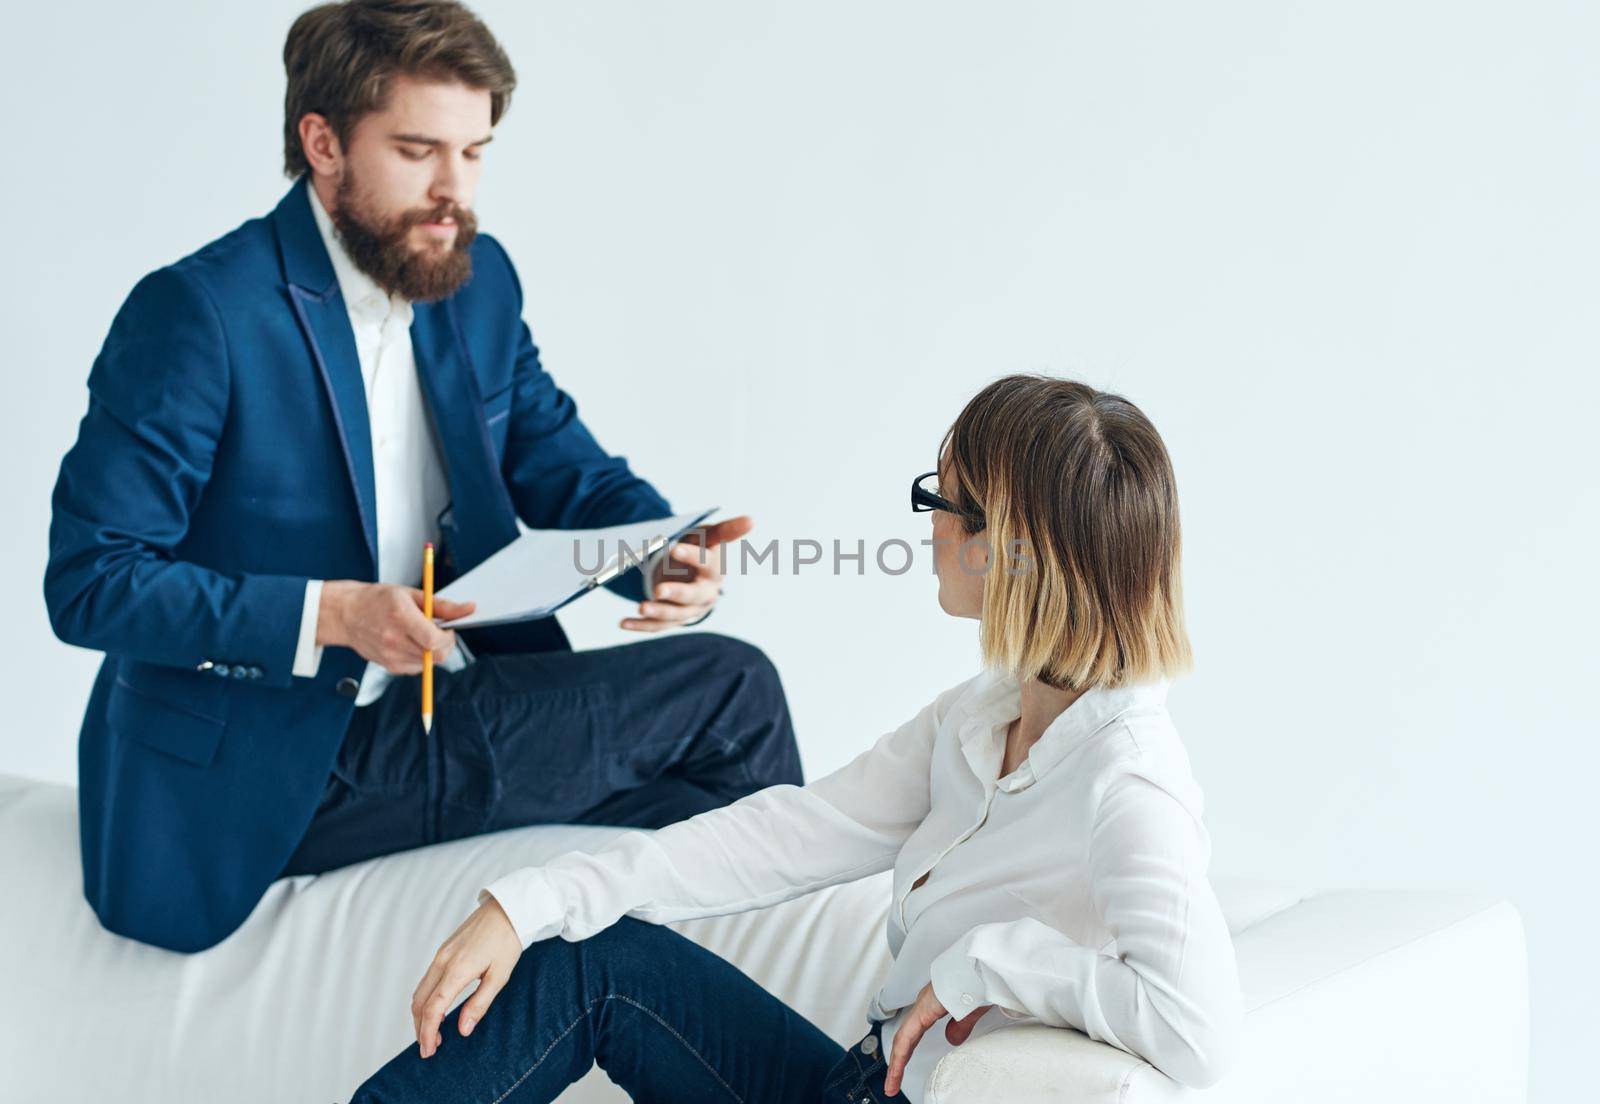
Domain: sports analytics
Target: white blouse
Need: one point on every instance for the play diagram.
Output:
(1071, 892)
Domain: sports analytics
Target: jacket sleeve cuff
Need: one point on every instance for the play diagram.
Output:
(458, 658)
(307, 653)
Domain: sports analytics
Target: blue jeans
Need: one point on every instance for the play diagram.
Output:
(666, 1019)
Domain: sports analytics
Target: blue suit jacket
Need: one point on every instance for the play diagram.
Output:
(223, 461)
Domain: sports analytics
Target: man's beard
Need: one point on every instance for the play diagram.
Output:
(381, 251)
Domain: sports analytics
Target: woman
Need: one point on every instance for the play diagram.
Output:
(1041, 820)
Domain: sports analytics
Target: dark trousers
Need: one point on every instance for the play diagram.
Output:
(666, 1019)
(640, 736)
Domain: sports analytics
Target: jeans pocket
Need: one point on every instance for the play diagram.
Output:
(839, 1083)
(857, 1078)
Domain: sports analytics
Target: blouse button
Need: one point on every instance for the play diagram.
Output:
(966, 998)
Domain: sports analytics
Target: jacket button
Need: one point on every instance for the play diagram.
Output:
(255, 672)
(222, 670)
(348, 687)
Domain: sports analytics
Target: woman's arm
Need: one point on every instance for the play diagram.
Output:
(774, 845)
(771, 846)
(1170, 993)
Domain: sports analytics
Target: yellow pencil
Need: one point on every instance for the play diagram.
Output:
(427, 656)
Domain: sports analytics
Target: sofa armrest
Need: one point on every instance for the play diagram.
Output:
(1032, 1062)
(1370, 995)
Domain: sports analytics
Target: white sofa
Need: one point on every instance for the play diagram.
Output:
(1352, 996)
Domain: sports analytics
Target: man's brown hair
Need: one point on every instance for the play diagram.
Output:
(340, 57)
(1078, 482)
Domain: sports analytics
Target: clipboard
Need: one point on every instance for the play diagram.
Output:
(541, 571)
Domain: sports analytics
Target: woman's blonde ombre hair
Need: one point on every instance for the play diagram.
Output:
(1078, 482)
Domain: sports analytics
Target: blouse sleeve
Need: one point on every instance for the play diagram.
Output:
(771, 846)
(1170, 991)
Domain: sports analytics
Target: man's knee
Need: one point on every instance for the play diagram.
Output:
(729, 654)
(753, 712)
(773, 756)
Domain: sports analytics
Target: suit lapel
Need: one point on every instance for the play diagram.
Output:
(486, 519)
(320, 309)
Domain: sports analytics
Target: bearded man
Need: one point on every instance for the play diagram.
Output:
(276, 424)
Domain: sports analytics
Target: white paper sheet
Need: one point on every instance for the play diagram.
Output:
(544, 569)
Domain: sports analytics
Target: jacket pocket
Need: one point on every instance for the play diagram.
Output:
(498, 405)
(173, 710)
(497, 418)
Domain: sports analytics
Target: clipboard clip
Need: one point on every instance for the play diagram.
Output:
(618, 566)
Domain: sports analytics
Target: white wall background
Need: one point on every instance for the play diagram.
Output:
(1347, 256)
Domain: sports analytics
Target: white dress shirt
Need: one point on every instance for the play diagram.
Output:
(1072, 892)
(408, 476)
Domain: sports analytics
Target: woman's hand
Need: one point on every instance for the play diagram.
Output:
(922, 1015)
(484, 948)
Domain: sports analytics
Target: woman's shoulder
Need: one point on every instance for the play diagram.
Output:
(971, 694)
(1144, 747)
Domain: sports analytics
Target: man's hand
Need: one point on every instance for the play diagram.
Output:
(688, 579)
(483, 949)
(922, 1015)
(384, 623)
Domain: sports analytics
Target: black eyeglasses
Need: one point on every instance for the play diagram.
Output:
(924, 499)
